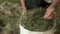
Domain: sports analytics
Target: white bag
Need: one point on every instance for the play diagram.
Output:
(25, 31)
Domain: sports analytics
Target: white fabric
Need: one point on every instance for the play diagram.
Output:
(25, 31)
(49, 1)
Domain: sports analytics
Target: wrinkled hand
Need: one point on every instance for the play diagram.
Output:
(50, 13)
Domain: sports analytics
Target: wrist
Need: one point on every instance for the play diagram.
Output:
(24, 9)
(54, 5)
(51, 6)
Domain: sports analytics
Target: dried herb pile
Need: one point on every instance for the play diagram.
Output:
(33, 20)
(9, 15)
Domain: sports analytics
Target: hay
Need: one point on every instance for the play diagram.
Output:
(9, 15)
(33, 20)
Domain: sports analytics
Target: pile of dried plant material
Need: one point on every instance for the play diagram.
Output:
(33, 20)
(9, 15)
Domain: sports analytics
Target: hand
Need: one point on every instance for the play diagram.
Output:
(24, 10)
(50, 13)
